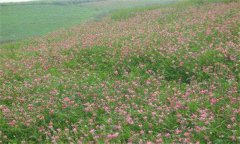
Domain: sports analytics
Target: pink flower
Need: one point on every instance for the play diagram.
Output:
(203, 116)
(75, 130)
(233, 119)
(160, 140)
(178, 105)
(50, 125)
(66, 99)
(12, 123)
(154, 113)
(213, 101)
(177, 131)
(5, 110)
(186, 134)
(186, 95)
(112, 136)
(141, 132)
(129, 120)
(198, 129)
(181, 64)
(30, 107)
(54, 92)
(203, 91)
(233, 138)
(167, 135)
(92, 131)
(106, 108)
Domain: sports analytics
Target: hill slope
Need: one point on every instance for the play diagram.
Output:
(167, 75)
(19, 21)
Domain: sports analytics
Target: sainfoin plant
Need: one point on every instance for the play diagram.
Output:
(165, 75)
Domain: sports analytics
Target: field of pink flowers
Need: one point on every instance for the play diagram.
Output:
(166, 75)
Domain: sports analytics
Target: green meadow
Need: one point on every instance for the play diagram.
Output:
(24, 20)
(120, 72)
(21, 21)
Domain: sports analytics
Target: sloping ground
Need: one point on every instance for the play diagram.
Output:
(169, 75)
(20, 21)
(9, 1)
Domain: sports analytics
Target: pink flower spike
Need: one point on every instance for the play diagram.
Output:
(112, 136)
(213, 101)
(12, 123)
(66, 99)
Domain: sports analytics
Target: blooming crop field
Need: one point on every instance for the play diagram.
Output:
(168, 74)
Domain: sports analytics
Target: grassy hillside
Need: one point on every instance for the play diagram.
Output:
(23, 20)
(167, 74)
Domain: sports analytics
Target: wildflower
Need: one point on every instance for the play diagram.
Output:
(129, 120)
(203, 116)
(41, 129)
(159, 140)
(198, 129)
(112, 136)
(66, 99)
(177, 131)
(167, 135)
(58, 130)
(41, 117)
(233, 118)
(213, 101)
(233, 138)
(186, 95)
(75, 130)
(6, 110)
(149, 142)
(12, 123)
(203, 91)
(92, 131)
(154, 113)
(181, 64)
(54, 92)
(50, 125)
(186, 134)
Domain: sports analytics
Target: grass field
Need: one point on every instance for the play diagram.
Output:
(158, 74)
(23, 20)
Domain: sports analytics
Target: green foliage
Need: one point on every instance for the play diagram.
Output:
(167, 80)
(123, 14)
(22, 21)
(19, 21)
